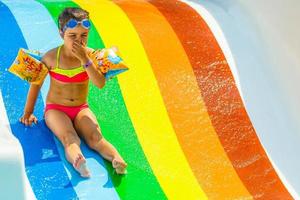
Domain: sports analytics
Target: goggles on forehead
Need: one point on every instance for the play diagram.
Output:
(72, 23)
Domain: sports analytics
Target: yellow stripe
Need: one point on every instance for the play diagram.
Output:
(144, 102)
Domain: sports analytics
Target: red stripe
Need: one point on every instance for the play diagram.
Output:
(223, 101)
(83, 76)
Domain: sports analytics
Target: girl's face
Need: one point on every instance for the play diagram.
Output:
(77, 34)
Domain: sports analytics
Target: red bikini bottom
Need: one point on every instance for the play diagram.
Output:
(71, 111)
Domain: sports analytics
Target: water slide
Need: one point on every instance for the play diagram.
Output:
(208, 110)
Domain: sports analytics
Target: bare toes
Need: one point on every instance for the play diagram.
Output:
(78, 160)
(121, 171)
(120, 166)
(80, 166)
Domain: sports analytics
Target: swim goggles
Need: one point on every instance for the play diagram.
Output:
(72, 23)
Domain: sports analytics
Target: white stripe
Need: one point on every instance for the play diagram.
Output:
(16, 185)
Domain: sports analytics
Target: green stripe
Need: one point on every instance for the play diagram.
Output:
(109, 107)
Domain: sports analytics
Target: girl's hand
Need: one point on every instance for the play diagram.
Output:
(80, 51)
(94, 54)
(28, 118)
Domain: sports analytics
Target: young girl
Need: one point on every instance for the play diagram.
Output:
(67, 113)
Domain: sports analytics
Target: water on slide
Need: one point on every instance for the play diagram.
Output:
(208, 109)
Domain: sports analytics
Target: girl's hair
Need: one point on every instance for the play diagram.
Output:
(71, 12)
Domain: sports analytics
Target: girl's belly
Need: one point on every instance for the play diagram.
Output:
(68, 94)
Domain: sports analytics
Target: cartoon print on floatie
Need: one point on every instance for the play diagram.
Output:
(27, 66)
(108, 61)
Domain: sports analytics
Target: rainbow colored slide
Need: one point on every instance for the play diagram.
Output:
(208, 109)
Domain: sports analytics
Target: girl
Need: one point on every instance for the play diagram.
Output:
(67, 113)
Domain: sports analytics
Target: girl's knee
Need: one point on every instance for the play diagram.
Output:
(94, 139)
(70, 137)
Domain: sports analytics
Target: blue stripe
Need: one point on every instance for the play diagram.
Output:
(33, 27)
(44, 167)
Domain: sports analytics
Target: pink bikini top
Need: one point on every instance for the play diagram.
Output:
(68, 75)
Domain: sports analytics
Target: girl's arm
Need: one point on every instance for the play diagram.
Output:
(32, 95)
(31, 98)
(95, 76)
(81, 52)
(28, 116)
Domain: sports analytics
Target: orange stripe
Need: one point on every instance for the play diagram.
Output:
(223, 101)
(183, 101)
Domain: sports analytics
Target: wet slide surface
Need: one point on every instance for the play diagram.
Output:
(176, 116)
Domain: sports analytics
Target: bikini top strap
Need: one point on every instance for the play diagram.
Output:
(57, 57)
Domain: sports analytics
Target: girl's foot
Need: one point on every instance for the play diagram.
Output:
(119, 165)
(80, 166)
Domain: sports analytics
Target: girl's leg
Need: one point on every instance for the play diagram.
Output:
(87, 127)
(61, 125)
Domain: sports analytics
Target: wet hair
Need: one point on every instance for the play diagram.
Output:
(69, 13)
